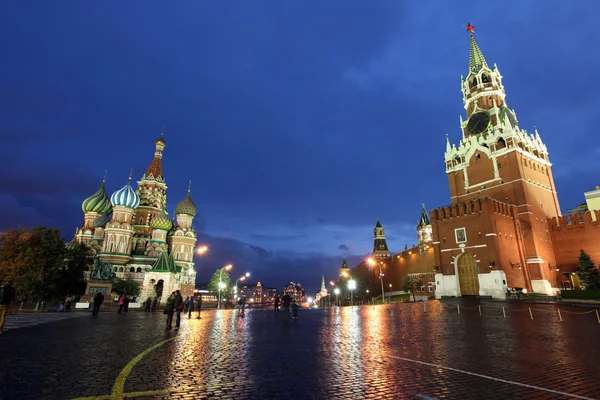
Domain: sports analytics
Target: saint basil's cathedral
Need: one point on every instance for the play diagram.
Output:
(132, 231)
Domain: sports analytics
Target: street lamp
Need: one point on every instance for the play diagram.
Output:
(337, 296)
(202, 250)
(351, 286)
(222, 285)
(372, 263)
(242, 278)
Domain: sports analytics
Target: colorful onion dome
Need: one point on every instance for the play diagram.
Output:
(162, 221)
(98, 202)
(72, 245)
(101, 221)
(125, 197)
(186, 206)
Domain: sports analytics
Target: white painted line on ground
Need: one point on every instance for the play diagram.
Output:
(573, 396)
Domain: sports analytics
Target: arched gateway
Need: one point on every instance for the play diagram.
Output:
(468, 277)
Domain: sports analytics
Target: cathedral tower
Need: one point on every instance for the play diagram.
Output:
(116, 248)
(182, 239)
(496, 158)
(152, 192)
(380, 248)
(424, 231)
(95, 210)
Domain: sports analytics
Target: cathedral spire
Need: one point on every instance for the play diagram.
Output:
(424, 220)
(476, 60)
(154, 171)
(448, 147)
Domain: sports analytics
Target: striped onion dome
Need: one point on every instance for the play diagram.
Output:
(98, 202)
(186, 206)
(125, 197)
(161, 222)
(101, 221)
(72, 245)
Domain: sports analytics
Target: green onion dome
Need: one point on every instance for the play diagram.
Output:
(161, 222)
(186, 206)
(98, 202)
(101, 221)
(72, 245)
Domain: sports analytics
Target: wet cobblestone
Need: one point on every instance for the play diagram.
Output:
(384, 352)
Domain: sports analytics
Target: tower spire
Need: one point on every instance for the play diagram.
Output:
(476, 60)
(105, 173)
(448, 147)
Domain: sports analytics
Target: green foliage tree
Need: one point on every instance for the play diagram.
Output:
(126, 287)
(34, 262)
(409, 283)
(587, 272)
(220, 275)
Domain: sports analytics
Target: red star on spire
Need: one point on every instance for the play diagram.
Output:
(470, 28)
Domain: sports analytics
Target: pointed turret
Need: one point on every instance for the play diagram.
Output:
(424, 231)
(323, 291)
(344, 269)
(448, 147)
(476, 60)
(424, 220)
(380, 248)
(154, 171)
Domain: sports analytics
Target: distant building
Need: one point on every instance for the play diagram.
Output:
(295, 290)
(257, 293)
(344, 269)
(380, 248)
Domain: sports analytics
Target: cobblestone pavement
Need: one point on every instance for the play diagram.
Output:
(16, 321)
(413, 351)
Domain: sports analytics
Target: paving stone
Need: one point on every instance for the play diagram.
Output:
(349, 353)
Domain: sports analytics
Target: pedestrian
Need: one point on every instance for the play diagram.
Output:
(294, 309)
(186, 304)
(287, 299)
(147, 305)
(276, 304)
(240, 304)
(178, 308)
(191, 307)
(121, 304)
(154, 304)
(6, 296)
(199, 306)
(98, 299)
(68, 304)
(170, 310)
(126, 304)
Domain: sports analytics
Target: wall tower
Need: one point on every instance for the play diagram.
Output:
(380, 248)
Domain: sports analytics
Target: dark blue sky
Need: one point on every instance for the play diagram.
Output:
(298, 124)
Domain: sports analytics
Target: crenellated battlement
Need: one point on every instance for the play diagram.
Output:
(472, 207)
(574, 220)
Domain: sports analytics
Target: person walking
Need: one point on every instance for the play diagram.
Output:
(121, 304)
(147, 305)
(154, 304)
(186, 304)
(199, 306)
(276, 304)
(178, 308)
(68, 304)
(98, 299)
(287, 299)
(6, 296)
(170, 310)
(126, 304)
(191, 307)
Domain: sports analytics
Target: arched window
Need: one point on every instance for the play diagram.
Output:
(500, 144)
(139, 269)
(474, 82)
(131, 269)
(485, 79)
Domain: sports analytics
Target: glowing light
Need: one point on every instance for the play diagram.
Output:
(336, 291)
(371, 262)
(247, 273)
(351, 284)
(222, 285)
(243, 278)
(332, 283)
(202, 249)
(228, 267)
(309, 299)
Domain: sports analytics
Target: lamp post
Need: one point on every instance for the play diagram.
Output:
(372, 263)
(337, 296)
(242, 278)
(351, 286)
(221, 284)
(332, 283)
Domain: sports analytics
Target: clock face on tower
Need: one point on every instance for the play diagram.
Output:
(478, 123)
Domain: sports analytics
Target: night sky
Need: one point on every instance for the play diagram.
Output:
(298, 123)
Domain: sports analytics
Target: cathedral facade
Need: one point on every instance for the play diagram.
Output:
(131, 230)
(500, 230)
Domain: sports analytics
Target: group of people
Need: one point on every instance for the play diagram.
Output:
(150, 305)
(289, 304)
(176, 305)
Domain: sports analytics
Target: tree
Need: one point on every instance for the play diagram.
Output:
(409, 283)
(587, 272)
(222, 276)
(126, 287)
(32, 260)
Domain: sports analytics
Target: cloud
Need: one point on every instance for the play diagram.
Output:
(343, 247)
(279, 238)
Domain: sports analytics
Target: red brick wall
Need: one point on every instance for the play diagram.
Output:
(396, 267)
(569, 239)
